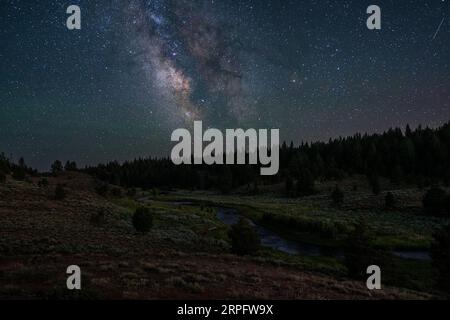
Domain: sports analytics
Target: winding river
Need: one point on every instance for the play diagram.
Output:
(275, 241)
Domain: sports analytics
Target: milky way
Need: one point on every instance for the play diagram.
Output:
(175, 39)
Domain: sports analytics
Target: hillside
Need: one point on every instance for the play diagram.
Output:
(182, 257)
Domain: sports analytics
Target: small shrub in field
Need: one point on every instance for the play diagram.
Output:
(70, 166)
(447, 205)
(358, 251)
(440, 254)
(57, 168)
(131, 192)
(244, 239)
(389, 201)
(102, 189)
(43, 183)
(19, 174)
(374, 182)
(143, 220)
(116, 192)
(60, 192)
(305, 184)
(2, 177)
(434, 201)
(337, 196)
(98, 218)
(289, 186)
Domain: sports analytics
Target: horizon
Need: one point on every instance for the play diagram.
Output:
(167, 157)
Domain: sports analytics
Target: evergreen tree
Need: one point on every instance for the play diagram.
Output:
(305, 183)
(57, 167)
(226, 180)
(440, 254)
(19, 173)
(244, 239)
(337, 196)
(389, 201)
(70, 166)
(434, 201)
(60, 192)
(360, 253)
(143, 220)
(374, 182)
(289, 186)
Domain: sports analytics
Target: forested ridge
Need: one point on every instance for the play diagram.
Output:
(420, 157)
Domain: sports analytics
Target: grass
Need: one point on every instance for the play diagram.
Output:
(392, 230)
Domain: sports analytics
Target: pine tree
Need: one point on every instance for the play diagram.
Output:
(57, 167)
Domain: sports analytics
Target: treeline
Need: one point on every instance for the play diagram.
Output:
(18, 171)
(420, 157)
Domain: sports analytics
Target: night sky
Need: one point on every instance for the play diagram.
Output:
(137, 70)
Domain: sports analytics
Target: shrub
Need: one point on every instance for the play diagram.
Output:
(244, 239)
(131, 192)
(374, 182)
(337, 196)
(57, 167)
(434, 201)
(60, 192)
(71, 166)
(305, 184)
(102, 189)
(2, 177)
(289, 186)
(226, 180)
(19, 173)
(389, 201)
(43, 183)
(98, 218)
(116, 192)
(359, 253)
(440, 254)
(143, 220)
(447, 205)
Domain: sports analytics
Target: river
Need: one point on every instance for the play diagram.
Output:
(275, 241)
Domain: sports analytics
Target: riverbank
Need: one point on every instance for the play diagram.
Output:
(185, 255)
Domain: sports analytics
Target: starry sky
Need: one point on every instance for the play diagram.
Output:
(139, 69)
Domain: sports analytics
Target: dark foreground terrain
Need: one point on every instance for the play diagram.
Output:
(185, 255)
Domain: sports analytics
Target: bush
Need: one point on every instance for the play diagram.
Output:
(389, 201)
(359, 253)
(60, 192)
(337, 196)
(102, 189)
(131, 192)
(116, 192)
(244, 239)
(43, 183)
(226, 180)
(447, 205)
(440, 254)
(434, 201)
(2, 177)
(19, 173)
(71, 166)
(374, 182)
(57, 167)
(289, 186)
(143, 220)
(98, 218)
(305, 184)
